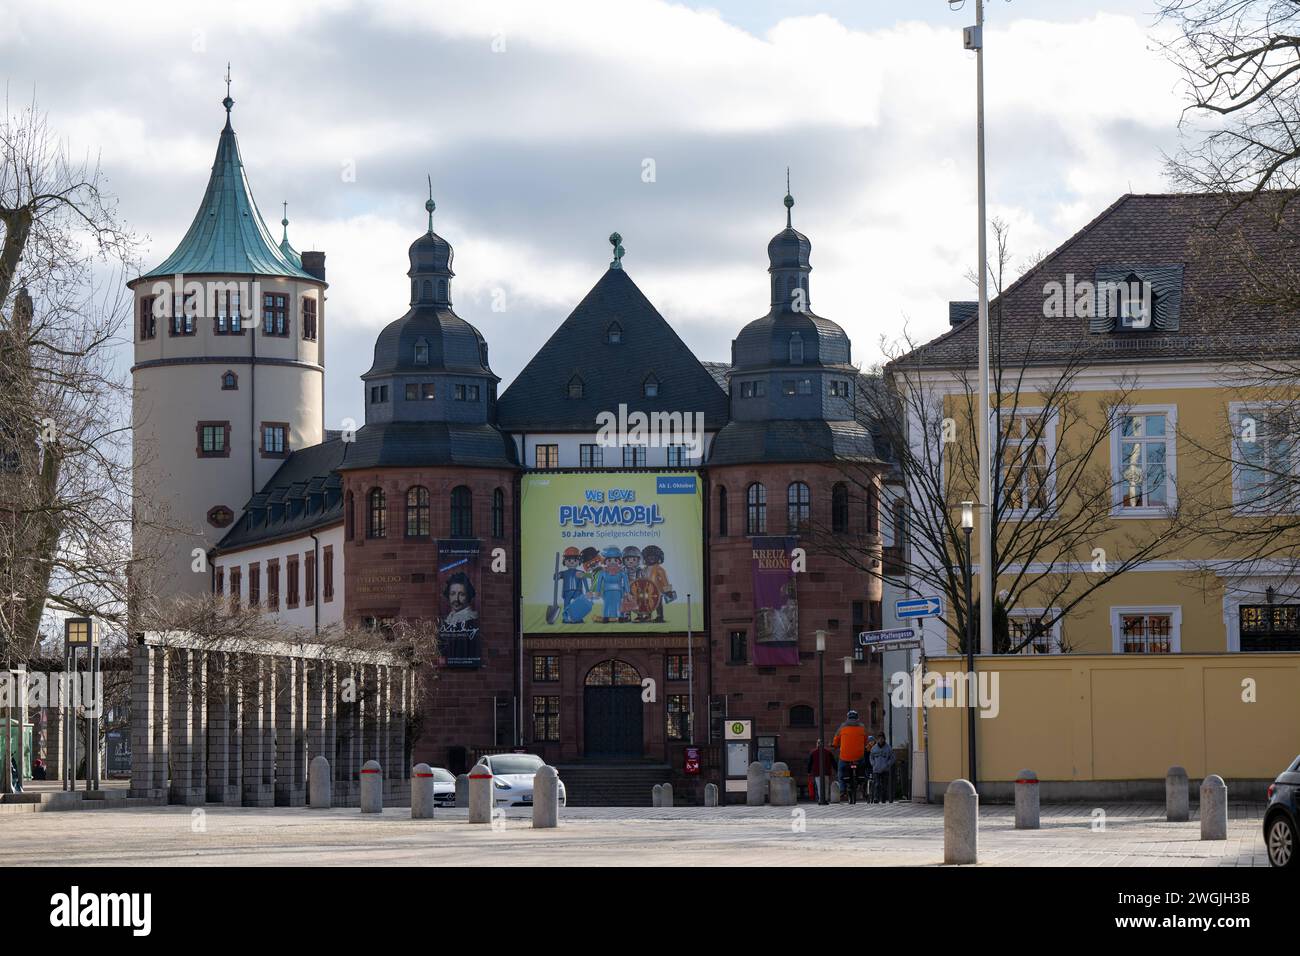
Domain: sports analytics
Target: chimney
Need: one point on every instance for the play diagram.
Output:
(958, 312)
(314, 263)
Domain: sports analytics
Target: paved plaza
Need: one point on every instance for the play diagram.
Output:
(864, 835)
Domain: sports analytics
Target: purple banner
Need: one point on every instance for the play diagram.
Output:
(776, 608)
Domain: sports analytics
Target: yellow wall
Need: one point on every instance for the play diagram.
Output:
(1107, 718)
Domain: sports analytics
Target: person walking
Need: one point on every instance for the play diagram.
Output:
(819, 759)
(851, 742)
(882, 766)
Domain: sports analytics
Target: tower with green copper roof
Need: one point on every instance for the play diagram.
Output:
(229, 336)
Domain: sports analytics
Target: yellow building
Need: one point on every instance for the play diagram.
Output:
(1146, 498)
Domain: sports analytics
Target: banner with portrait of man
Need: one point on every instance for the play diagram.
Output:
(776, 607)
(458, 603)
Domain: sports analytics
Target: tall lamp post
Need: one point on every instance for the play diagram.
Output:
(821, 717)
(967, 526)
(848, 683)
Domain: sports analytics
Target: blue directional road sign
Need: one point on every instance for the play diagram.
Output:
(918, 607)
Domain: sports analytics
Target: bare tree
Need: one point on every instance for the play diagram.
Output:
(65, 507)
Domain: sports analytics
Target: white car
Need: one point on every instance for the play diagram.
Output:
(444, 788)
(512, 778)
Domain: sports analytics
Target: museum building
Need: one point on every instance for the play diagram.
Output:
(623, 549)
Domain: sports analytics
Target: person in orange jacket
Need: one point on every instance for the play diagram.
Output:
(851, 742)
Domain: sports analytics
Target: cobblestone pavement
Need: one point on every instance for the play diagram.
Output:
(890, 834)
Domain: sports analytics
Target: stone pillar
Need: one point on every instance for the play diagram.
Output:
(657, 795)
(385, 719)
(234, 731)
(266, 745)
(372, 787)
(160, 713)
(1027, 805)
(329, 699)
(1214, 808)
(300, 730)
(755, 785)
(289, 789)
(710, 794)
(422, 792)
(462, 790)
(668, 795)
(143, 717)
(218, 731)
(1176, 802)
(180, 725)
(255, 791)
(546, 799)
(198, 673)
(319, 795)
(480, 794)
(961, 812)
(781, 792)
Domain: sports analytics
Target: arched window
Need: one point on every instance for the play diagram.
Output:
(801, 715)
(229, 381)
(377, 514)
(873, 509)
(614, 334)
(798, 506)
(650, 386)
(796, 348)
(498, 513)
(462, 512)
(756, 509)
(417, 512)
(575, 387)
(722, 512)
(840, 508)
(349, 518)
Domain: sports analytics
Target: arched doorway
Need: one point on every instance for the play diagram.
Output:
(612, 710)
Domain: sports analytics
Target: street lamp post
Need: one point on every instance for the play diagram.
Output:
(967, 525)
(821, 717)
(848, 683)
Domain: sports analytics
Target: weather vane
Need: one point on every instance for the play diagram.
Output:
(616, 241)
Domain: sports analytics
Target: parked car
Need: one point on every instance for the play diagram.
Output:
(1281, 817)
(512, 778)
(444, 788)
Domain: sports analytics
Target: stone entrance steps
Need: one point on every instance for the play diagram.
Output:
(611, 784)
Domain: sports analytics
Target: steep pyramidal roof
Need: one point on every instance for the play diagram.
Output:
(228, 235)
(610, 372)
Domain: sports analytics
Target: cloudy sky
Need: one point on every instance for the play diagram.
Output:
(537, 120)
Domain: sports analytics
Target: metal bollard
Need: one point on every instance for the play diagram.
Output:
(668, 795)
(320, 788)
(421, 792)
(462, 790)
(710, 794)
(1176, 810)
(546, 798)
(755, 785)
(961, 820)
(1214, 808)
(657, 795)
(480, 795)
(372, 787)
(1027, 804)
(781, 786)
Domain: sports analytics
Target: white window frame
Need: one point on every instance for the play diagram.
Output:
(1175, 612)
(1049, 441)
(1117, 509)
(1053, 633)
(1236, 411)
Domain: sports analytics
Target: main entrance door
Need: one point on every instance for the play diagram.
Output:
(612, 710)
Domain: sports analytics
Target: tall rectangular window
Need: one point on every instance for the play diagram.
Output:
(591, 456)
(184, 308)
(291, 589)
(546, 456)
(634, 456)
(254, 585)
(327, 573)
(678, 455)
(275, 439)
(228, 320)
(148, 321)
(273, 584)
(679, 667)
(546, 668)
(309, 578)
(275, 313)
(1142, 463)
(213, 439)
(220, 581)
(309, 318)
(546, 718)
(236, 584)
(737, 648)
(1266, 457)
(678, 715)
(1026, 462)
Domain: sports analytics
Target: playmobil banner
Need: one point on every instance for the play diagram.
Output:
(611, 551)
(458, 603)
(776, 608)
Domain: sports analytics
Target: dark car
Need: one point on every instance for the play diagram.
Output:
(1281, 817)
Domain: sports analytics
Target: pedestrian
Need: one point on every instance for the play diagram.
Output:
(819, 759)
(18, 777)
(882, 766)
(851, 742)
(38, 769)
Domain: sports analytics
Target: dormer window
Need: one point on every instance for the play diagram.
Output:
(421, 352)
(575, 387)
(650, 387)
(796, 348)
(1136, 304)
(614, 334)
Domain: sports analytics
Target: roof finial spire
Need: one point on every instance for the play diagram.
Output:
(789, 200)
(227, 102)
(285, 221)
(429, 205)
(616, 241)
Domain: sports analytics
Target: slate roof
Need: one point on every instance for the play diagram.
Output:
(797, 440)
(537, 400)
(304, 494)
(228, 235)
(721, 372)
(416, 444)
(454, 344)
(1165, 235)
